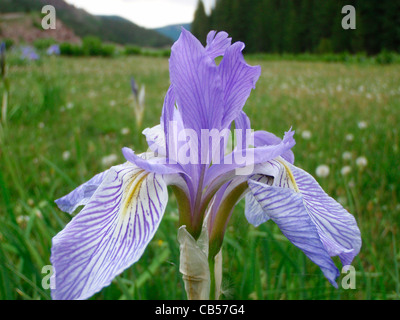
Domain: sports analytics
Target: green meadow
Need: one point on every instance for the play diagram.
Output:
(68, 119)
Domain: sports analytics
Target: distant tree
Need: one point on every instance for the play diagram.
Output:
(201, 23)
(391, 25)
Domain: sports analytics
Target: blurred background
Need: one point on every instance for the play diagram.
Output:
(73, 96)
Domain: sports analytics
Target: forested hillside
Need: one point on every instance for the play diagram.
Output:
(107, 28)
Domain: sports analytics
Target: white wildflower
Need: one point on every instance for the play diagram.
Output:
(306, 134)
(22, 219)
(125, 131)
(345, 170)
(66, 155)
(109, 160)
(349, 137)
(361, 162)
(322, 171)
(347, 155)
(362, 124)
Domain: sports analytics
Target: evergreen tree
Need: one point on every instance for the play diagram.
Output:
(201, 23)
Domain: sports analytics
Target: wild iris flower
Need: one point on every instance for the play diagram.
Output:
(29, 53)
(54, 49)
(124, 205)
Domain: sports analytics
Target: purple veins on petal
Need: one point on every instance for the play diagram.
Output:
(196, 84)
(294, 200)
(217, 43)
(110, 233)
(238, 79)
(286, 209)
(337, 228)
(253, 210)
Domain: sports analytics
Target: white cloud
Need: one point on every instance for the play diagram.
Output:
(146, 13)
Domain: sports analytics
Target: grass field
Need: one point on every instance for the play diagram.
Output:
(66, 114)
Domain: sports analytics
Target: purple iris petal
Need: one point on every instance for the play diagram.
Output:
(171, 122)
(286, 209)
(196, 84)
(337, 228)
(109, 234)
(253, 210)
(217, 43)
(238, 79)
(264, 138)
(152, 164)
(155, 138)
(254, 156)
(294, 197)
(81, 195)
(242, 127)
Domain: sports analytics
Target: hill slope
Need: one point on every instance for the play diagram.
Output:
(107, 28)
(173, 31)
(26, 27)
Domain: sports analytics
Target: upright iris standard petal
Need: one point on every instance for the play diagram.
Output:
(238, 79)
(81, 195)
(196, 84)
(210, 96)
(110, 233)
(217, 43)
(302, 210)
(243, 128)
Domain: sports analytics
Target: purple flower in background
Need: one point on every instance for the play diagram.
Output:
(53, 50)
(3, 59)
(134, 87)
(123, 206)
(29, 53)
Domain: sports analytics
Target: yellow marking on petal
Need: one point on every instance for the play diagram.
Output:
(291, 177)
(133, 188)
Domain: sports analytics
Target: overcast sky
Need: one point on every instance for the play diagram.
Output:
(146, 13)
